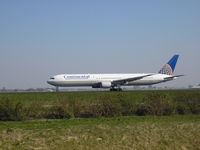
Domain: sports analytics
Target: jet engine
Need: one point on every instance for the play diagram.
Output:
(106, 84)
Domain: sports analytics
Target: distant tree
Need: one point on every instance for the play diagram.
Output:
(190, 86)
(3, 89)
(16, 90)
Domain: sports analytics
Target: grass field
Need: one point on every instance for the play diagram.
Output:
(118, 133)
(142, 120)
(27, 106)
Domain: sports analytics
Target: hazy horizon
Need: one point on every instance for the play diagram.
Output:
(43, 38)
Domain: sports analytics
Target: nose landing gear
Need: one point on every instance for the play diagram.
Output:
(57, 89)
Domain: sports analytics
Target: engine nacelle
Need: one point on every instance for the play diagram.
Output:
(102, 85)
(106, 84)
(96, 86)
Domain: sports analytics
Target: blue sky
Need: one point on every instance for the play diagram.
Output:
(43, 38)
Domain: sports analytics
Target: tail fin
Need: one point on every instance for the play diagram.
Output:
(170, 66)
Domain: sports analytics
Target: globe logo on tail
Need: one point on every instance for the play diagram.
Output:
(166, 70)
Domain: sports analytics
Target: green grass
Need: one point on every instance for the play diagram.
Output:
(26, 106)
(118, 133)
(87, 97)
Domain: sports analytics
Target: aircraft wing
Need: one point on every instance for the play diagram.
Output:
(172, 77)
(123, 81)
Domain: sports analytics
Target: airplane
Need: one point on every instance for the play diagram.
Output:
(115, 81)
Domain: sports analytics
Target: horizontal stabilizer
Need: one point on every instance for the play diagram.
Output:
(173, 77)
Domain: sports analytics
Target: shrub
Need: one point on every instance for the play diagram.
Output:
(37, 110)
(181, 109)
(155, 104)
(10, 111)
(74, 106)
(58, 112)
(106, 107)
(127, 106)
(189, 102)
(100, 104)
(142, 110)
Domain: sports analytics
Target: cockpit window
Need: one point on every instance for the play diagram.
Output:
(52, 78)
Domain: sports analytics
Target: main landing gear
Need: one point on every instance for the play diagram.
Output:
(115, 89)
(57, 89)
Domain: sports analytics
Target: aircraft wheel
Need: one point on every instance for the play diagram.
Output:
(116, 89)
(111, 89)
(119, 89)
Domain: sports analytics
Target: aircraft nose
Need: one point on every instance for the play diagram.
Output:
(51, 81)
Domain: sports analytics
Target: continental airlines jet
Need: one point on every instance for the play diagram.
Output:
(115, 81)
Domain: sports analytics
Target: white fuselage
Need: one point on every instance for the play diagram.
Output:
(70, 80)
